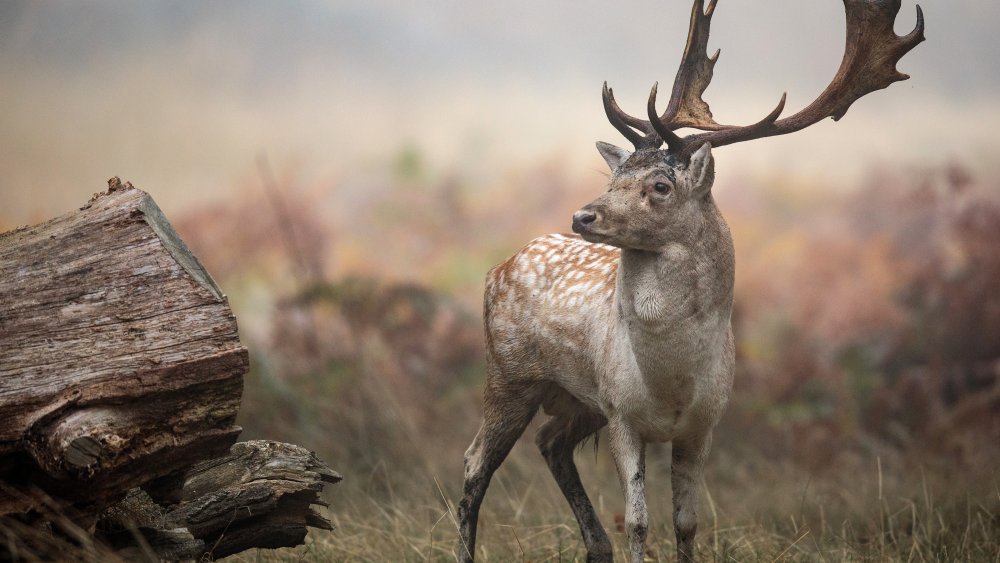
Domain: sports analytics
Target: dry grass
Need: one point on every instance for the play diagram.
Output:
(754, 509)
(863, 510)
(50, 533)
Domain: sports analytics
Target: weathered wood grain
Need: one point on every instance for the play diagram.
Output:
(259, 495)
(120, 361)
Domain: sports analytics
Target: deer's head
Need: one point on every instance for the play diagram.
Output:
(653, 198)
(657, 195)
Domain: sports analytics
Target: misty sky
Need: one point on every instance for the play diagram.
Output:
(182, 97)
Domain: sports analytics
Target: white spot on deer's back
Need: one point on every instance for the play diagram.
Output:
(523, 262)
(540, 270)
(550, 279)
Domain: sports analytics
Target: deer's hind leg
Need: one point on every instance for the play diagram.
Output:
(557, 439)
(506, 413)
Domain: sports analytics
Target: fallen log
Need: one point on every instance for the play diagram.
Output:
(121, 368)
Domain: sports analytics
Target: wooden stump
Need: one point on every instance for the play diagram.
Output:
(120, 368)
(120, 361)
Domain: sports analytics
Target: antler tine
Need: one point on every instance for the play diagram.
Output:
(913, 38)
(638, 131)
(872, 51)
(674, 142)
(686, 107)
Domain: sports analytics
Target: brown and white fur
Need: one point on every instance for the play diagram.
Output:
(627, 327)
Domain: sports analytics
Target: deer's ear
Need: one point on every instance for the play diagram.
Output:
(614, 156)
(701, 171)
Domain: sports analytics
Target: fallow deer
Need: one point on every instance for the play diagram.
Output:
(628, 325)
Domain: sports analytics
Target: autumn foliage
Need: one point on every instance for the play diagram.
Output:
(867, 319)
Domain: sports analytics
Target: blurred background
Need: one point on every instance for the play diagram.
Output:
(349, 170)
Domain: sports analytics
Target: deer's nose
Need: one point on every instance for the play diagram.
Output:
(583, 219)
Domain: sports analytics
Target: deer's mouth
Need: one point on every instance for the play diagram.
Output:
(589, 234)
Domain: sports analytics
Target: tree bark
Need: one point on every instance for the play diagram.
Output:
(120, 361)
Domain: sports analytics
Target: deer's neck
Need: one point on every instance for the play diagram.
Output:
(653, 287)
(673, 304)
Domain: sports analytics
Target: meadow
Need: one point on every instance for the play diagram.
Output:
(865, 420)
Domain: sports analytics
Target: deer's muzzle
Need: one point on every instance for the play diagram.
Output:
(583, 219)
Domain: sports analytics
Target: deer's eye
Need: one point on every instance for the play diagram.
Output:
(661, 187)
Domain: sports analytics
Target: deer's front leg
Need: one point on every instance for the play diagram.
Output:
(685, 474)
(629, 452)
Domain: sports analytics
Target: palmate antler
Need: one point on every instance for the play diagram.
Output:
(869, 64)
